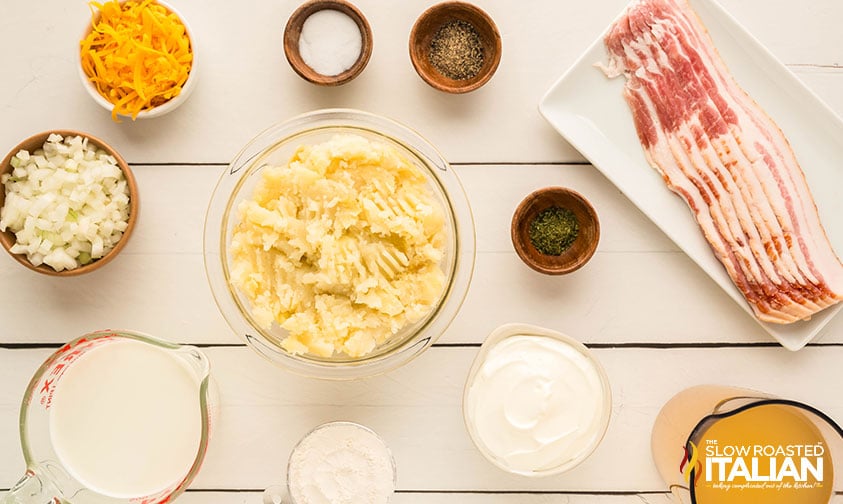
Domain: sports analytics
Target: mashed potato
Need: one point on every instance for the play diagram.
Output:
(341, 247)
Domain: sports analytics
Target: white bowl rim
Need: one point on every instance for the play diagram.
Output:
(514, 329)
(344, 423)
(160, 110)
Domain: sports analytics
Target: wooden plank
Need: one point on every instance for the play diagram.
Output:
(465, 498)
(638, 289)
(599, 304)
(174, 200)
(450, 498)
(602, 303)
(158, 284)
(246, 84)
(417, 409)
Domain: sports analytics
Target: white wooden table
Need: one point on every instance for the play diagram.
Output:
(656, 321)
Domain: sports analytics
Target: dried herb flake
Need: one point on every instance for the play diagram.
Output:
(554, 230)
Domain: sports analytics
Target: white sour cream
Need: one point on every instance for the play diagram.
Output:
(536, 403)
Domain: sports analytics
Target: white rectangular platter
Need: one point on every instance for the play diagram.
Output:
(589, 111)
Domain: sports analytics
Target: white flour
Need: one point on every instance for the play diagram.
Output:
(341, 463)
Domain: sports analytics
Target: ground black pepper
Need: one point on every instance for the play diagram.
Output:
(554, 230)
(456, 50)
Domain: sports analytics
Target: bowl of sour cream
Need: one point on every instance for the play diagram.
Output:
(536, 402)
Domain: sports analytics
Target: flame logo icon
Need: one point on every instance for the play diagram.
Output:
(691, 462)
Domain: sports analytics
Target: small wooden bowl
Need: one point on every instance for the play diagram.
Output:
(578, 253)
(7, 238)
(292, 33)
(429, 23)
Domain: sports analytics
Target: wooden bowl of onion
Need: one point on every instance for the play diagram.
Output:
(555, 230)
(68, 203)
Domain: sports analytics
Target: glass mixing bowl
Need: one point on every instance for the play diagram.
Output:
(275, 146)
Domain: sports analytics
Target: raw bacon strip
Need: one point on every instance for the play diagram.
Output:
(744, 113)
(766, 285)
(694, 169)
(720, 152)
(732, 199)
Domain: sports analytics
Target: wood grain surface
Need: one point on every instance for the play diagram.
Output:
(653, 318)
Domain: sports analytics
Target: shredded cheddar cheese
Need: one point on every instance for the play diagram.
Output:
(138, 55)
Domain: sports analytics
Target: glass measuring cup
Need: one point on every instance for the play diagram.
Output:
(718, 444)
(48, 477)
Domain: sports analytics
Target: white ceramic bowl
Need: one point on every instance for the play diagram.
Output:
(160, 110)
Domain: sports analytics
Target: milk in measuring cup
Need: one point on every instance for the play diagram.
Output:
(125, 419)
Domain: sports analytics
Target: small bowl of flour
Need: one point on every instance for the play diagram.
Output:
(340, 463)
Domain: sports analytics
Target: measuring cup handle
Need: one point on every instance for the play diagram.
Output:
(31, 489)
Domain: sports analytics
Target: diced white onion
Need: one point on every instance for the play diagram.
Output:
(67, 203)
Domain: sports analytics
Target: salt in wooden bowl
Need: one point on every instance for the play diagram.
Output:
(292, 34)
(35, 142)
(578, 253)
(428, 25)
